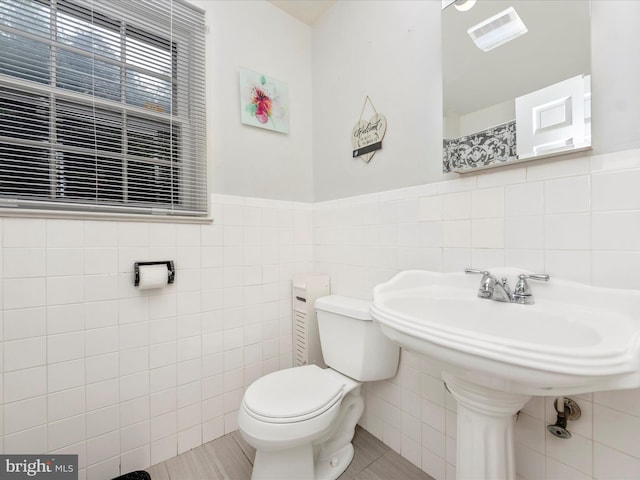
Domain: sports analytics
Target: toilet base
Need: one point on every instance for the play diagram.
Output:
(291, 464)
(297, 464)
(332, 468)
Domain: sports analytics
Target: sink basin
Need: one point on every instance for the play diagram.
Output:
(493, 356)
(574, 339)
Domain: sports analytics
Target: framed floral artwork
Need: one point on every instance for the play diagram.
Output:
(264, 101)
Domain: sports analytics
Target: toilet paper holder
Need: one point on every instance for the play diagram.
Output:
(170, 267)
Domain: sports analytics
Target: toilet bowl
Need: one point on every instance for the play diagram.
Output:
(288, 415)
(301, 420)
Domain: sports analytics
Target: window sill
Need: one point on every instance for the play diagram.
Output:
(101, 216)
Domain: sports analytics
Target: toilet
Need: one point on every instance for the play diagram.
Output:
(301, 420)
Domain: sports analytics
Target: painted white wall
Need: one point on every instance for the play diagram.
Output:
(616, 75)
(246, 160)
(451, 125)
(490, 116)
(459, 125)
(389, 51)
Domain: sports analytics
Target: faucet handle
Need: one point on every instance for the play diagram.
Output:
(487, 284)
(534, 276)
(522, 287)
(473, 270)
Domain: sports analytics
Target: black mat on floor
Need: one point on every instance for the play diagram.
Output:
(137, 475)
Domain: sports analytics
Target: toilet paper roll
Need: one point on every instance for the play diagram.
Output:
(153, 276)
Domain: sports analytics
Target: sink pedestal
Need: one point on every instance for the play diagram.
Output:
(493, 355)
(485, 448)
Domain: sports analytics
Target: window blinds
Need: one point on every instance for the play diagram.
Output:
(102, 106)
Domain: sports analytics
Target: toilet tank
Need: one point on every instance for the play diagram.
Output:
(351, 343)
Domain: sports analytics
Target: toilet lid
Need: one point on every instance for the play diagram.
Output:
(292, 395)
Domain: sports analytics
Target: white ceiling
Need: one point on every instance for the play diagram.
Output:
(307, 11)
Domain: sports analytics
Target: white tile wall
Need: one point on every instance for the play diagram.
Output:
(577, 219)
(92, 365)
(128, 378)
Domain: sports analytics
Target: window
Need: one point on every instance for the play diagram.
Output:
(102, 106)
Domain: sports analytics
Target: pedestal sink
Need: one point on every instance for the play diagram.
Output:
(494, 356)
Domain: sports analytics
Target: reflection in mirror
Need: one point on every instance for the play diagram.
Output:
(529, 96)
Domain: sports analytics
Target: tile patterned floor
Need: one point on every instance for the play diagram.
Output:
(231, 458)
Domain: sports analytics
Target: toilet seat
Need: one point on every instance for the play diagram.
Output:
(293, 395)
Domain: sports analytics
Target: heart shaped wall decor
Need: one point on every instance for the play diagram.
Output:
(367, 135)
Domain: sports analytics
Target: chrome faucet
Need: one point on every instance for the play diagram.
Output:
(499, 291)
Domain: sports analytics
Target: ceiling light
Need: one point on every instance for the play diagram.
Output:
(497, 30)
(464, 5)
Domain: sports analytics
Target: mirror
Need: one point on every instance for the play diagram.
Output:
(481, 87)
